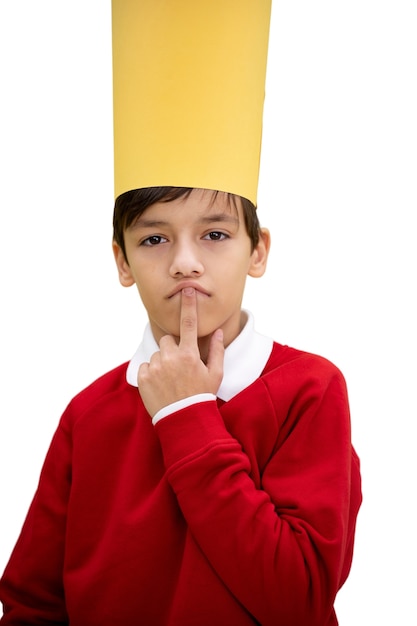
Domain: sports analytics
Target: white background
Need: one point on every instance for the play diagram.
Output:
(337, 189)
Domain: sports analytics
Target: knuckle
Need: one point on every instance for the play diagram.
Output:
(188, 357)
(143, 374)
(164, 341)
(188, 322)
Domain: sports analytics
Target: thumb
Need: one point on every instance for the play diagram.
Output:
(216, 357)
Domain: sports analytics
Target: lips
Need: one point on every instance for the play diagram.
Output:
(178, 288)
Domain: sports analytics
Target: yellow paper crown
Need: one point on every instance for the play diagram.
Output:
(188, 87)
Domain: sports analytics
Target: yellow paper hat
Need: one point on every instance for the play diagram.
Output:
(188, 87)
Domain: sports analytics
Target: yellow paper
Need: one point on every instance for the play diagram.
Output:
(189, 83)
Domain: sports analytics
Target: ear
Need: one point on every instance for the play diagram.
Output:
(125, 275)
(259, 256)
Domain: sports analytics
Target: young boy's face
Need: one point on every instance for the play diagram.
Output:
(198, 240)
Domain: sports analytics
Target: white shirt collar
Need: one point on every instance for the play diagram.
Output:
(244, 359)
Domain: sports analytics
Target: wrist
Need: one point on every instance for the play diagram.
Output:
(181, 404)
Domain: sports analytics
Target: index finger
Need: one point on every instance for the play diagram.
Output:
(188, 318)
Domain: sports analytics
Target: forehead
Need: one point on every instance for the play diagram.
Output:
(201, 205)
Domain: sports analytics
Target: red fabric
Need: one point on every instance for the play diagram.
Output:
(223, 513)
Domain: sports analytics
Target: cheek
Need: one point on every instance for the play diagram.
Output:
(146, 276)
(237, 268)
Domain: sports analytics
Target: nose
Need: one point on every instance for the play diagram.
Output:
(186, 260)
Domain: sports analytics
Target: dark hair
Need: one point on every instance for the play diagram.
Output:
(131, 204)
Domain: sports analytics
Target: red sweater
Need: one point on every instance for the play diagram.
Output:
(222, 514)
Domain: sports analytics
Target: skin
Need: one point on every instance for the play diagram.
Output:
(189, 259)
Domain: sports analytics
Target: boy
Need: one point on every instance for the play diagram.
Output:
(211, 480)
(226, 490)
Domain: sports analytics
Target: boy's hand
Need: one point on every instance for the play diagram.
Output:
(177, 371)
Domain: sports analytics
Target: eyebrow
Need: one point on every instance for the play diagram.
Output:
(219, 217)
(144, 222)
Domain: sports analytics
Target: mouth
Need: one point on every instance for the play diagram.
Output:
(200, 291)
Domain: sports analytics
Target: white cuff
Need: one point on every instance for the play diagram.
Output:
(181, 404)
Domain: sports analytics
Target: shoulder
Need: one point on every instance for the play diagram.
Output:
(286, 356)
(102, 395)
(108, 383)
(306, 389)
(301, 368)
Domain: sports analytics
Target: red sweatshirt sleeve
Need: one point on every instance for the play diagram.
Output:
(32, 587)
(278, 532)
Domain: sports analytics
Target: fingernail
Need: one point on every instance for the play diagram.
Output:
(219, 334)
(188, 291)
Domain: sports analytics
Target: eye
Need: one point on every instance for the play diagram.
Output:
(154, 240)
(215, 235)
